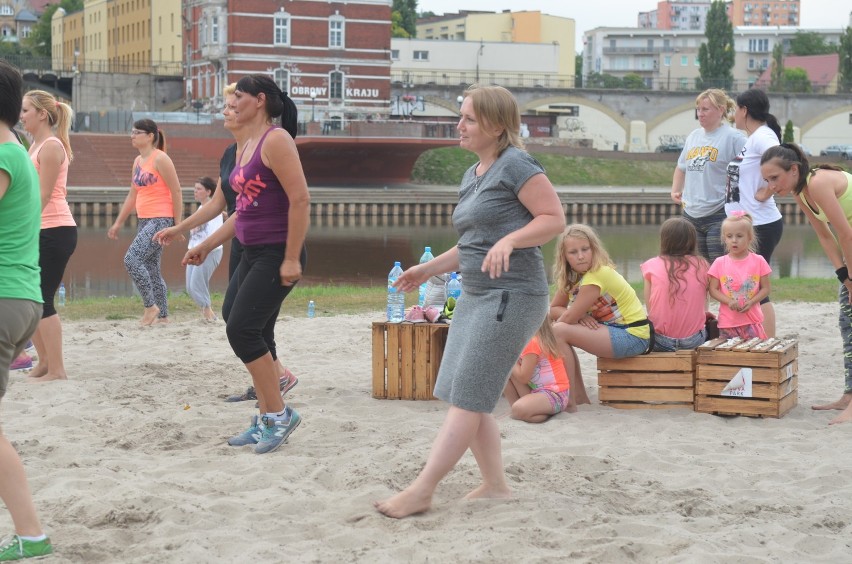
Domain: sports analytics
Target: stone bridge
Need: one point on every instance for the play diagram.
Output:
(640, 121)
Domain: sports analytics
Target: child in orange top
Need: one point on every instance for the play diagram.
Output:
(538, 386)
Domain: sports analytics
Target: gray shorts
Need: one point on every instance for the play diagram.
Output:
(18, 322)
(489, 330)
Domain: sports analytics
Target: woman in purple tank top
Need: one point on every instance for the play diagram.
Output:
(271, 222)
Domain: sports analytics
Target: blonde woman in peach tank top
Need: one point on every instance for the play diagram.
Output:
(48, 121)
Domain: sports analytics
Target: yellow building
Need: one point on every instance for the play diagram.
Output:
(120, 36)
(505, 27)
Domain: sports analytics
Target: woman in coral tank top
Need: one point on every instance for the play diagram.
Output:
(48, 121)
(156, 196)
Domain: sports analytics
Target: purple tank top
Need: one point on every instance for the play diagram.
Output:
(262, 204)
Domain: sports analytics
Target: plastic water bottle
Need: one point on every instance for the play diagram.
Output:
(427, 256)
(396, 299)
(312, 309)
(454, 287)
(61, 301)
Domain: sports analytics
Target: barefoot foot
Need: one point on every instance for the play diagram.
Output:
(842, 403)
(489, 492)
(47, 378)
(162, 321)
(843, 417)
(403, 504)
(37, 372)
(149, 316)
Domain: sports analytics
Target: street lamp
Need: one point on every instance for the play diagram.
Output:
(75, 87)
(313, 105)
(460, 99)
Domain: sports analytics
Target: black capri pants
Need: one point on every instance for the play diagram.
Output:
(768, 236)
(257, 299)
(55, 247)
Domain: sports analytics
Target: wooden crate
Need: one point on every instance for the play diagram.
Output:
(774, 368)
(653, 381)
(406, 358)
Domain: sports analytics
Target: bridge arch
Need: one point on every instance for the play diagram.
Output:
(825, 128)
(598, 122)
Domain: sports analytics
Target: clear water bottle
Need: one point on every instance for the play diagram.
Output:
(396, 299)
(427, 256)
(61, 301)
(454, 287)
(312, 309)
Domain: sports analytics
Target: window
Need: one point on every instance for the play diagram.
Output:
(214, 29)
(684, 60)
(335, 85)
(6, 10)
(6, 31)
(282, 29)
(282, 79)
(421, 55)
(25, 31)
(667, 60)
(394, 54)
(697, 61)
(335, 32)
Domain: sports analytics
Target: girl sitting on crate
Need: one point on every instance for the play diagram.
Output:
(676, 289)
(739, 280)
(594, 306)
(538, 385)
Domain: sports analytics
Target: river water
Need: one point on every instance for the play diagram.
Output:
(362, 254)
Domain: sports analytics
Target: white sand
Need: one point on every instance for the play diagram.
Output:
(122, 472)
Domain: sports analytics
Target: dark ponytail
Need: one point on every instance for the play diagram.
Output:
(756, 103)
(787, 156)
(278, 104)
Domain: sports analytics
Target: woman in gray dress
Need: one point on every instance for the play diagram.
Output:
(507, 208)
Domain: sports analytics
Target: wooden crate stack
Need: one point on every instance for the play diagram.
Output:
(406, 358)
(774, 371)
(653, 381)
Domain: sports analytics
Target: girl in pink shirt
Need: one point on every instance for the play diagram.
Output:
(676, 288)
(739, 280)
(538, 385)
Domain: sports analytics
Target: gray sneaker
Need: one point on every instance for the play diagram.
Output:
(276, 431)
(250, 436)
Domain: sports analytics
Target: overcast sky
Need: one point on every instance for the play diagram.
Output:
(589, 14)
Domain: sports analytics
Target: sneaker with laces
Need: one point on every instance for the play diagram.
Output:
(287, 382)
(276, 431)
(250, 436)
(23, 362)
(16, 548)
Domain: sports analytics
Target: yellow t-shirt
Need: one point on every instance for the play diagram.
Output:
(618, 303)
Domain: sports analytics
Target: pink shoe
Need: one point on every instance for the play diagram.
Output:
(415, 315)
(23, 362)
(432, 314)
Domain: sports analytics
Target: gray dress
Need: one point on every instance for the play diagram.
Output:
(494, 319)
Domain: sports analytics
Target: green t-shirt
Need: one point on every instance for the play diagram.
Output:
(20, 222)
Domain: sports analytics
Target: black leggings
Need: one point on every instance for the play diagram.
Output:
(55, 247)
(768, 236)
(258, 294)
(231, 293)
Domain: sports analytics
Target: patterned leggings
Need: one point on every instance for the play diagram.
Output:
(846, 335)
(142, 262)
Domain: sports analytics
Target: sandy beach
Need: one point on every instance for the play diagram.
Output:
(128, 462)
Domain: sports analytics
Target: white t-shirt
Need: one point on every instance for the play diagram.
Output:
(744, 179)
(205, 230)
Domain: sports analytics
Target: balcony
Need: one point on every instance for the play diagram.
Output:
(637, 50)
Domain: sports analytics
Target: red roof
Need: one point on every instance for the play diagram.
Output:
(821, 69)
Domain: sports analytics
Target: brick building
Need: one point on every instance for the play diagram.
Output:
(332, 57)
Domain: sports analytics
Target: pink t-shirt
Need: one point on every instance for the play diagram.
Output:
(549, 371)
(676, 314)
(739, 279)
(56, 213)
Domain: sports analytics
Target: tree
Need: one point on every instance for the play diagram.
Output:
(578, 70)
(777, 74)
(633, 81)
(716, 56)
(788, 136)
(845, 51)
(407, 16)
(793, 80)
(396, 26)
(810, 43)
(598, 80)
(39, 41)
